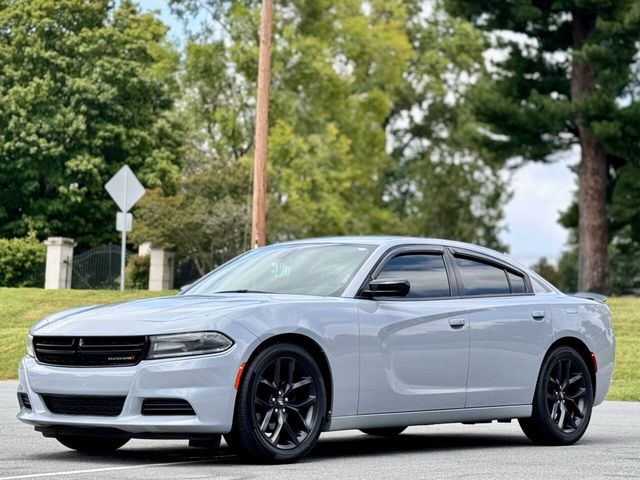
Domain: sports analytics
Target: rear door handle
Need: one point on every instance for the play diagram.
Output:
(538, 314)
(456, 322)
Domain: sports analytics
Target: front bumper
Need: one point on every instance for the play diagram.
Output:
(206, 382)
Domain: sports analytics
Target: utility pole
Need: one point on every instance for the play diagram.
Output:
(258, 213)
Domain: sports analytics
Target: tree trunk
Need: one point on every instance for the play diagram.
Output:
(593, 268)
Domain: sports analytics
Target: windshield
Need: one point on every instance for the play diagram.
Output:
(303, 269)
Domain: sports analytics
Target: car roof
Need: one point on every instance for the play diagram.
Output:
(393, 241)
(389, 241)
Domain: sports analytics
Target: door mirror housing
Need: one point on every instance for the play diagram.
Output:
(388, 287)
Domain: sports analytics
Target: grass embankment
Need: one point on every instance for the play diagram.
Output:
(626, 326)
(21, 307)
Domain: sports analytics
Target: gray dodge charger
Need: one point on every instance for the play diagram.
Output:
(290, 340)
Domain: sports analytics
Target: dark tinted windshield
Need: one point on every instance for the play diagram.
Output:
(304, 269)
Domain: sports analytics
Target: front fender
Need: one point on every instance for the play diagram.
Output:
(332, 323)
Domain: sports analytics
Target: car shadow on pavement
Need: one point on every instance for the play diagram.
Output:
(327, 448)
(362, 445)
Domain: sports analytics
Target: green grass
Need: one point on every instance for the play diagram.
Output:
(626, 326)
(21, 307)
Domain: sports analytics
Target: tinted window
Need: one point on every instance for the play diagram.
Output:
(516, 282)
(481, 278)
(426, 274)
(305, 269)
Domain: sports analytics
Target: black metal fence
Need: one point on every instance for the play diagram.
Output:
(98, 268)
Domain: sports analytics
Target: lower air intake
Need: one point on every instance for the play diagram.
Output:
(166, 406)
(100, 406)
(24, 401)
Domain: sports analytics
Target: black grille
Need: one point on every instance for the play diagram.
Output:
(84, 405)
(90, 351)
(166, 406)
(24, 401)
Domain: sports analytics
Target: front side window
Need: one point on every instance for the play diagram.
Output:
(479, 278)
(426, 273)
(303, 269)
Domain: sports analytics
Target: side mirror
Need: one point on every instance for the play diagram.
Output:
(388, 287)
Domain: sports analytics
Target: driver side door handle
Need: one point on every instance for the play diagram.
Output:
(456, 322)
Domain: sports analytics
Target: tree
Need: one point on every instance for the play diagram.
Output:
(437, 185)
(561, 76)
(84, 88)
(345, 76)
(624, 229)
(206, 220)
(547, 271)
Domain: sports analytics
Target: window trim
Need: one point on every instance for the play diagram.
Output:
(415, 249)
(489, 260)
(453, 274)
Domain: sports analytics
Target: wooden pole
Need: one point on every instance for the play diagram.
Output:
(258, 213)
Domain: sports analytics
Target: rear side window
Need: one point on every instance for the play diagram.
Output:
(426, 273)
(517, 283)
(480, 278)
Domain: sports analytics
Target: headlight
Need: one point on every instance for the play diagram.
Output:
(30, 350)
(185, 344)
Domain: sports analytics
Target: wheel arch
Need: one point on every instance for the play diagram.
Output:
(579, 346)
(316, 351)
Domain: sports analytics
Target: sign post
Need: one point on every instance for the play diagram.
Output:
(125, 189)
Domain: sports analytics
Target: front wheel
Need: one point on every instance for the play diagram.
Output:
(88, 444)
(280, 407)
(563, 400)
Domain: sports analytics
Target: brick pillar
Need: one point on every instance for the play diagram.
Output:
(59, 263)
(161, 269)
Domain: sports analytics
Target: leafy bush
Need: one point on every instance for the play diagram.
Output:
(22, 262)
(136, 275)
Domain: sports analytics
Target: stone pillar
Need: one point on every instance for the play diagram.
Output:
(59, 266)
(161, 269)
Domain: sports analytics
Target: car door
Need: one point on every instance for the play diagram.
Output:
(509, 330)
(413, 350)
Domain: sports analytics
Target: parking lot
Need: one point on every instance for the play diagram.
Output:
(610, 449)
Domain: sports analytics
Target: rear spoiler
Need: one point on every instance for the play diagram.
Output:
(591, 296)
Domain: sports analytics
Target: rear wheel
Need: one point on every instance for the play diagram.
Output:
(88, 444)
(384, 432)
(563, 400)
(281, 405)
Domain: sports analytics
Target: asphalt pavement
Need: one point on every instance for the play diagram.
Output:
(610, 449)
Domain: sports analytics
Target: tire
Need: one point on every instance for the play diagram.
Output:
(280, 406)
(89, 444)
(563, 400)
(384, 432)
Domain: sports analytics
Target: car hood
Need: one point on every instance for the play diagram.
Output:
(155, 315)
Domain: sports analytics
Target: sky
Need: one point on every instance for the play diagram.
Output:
(540, 192)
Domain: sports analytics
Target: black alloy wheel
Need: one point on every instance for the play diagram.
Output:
(280, 407)
(566, 392)
(286, 402)
(563, 400)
